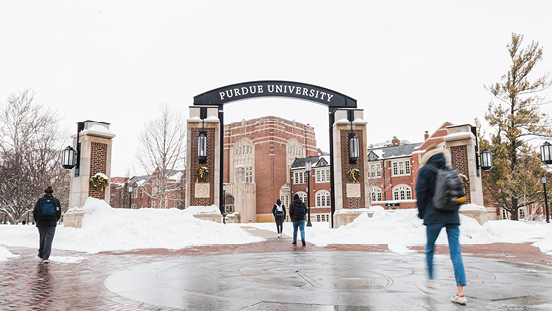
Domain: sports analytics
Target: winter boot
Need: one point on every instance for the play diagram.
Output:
(304, 243)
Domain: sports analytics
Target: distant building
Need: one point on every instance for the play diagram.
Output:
(320, 188)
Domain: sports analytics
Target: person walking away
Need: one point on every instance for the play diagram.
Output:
(47, 212)
(297, 211)
(435, 220)
(279, 212)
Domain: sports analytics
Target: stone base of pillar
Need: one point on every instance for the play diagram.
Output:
(73, 219)
(216, 217)
(479, 215)
(233, 218)
(347, 216)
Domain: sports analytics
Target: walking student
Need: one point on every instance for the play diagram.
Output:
(297, 211)
(435, 220)
(47, 212)
(279, 212)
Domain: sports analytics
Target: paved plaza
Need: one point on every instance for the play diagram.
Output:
(275, 275)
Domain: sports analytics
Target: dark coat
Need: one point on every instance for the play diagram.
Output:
(40, 222)
(292, 210)
(274, 210)
(425, 186)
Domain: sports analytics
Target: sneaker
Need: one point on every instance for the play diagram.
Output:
(39, 257)
(46, 261)
(427, 287)
(459, 299)
(279, 236)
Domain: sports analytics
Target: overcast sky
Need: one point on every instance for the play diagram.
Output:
(411, 65)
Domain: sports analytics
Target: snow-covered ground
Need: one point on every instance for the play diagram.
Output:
(108, 229)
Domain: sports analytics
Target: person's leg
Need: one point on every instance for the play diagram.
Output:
(453, 234)
(302, 228)
(280, 225)
(432, 232)
(295, 226)
(41, 235)
(48, 238)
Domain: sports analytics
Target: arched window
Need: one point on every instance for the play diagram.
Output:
(302, 196)
(323, 198)
(402, 192)
(375, 193)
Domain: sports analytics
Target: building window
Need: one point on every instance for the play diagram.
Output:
(229, 204)
(375, 193)
(521, 214)
(323, 198)
(401, 167)
(402, 192)
(302, 196)
(374, 170)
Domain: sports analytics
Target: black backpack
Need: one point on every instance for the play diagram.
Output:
(300, 211)
(48, 208)
(448, 193)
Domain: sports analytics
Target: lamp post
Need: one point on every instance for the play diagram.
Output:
(224, 204)
(308, 168)
(543, 179)
(70, 157)
(546, 158)
(129, 196)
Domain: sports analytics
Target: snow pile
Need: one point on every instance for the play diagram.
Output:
(5, 254)
(108, 229)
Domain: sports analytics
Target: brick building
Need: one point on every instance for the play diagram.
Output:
(320, 188)
(258, 155)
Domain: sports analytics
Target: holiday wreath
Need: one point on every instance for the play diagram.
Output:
(202, 174)
(353, 175)
(99, 182)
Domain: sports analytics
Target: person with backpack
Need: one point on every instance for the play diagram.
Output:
(297, 211)
(279, 212)
(46, 213)
(436, 217)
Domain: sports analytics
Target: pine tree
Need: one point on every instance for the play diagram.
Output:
(517, 118)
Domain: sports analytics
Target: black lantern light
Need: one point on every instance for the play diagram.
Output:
(129, 196)
(486, 160)
(202, 147)
(546, 153)
(68, 158)
(354, 150)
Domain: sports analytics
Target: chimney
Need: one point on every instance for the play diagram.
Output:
(426, 135)
(395, 141)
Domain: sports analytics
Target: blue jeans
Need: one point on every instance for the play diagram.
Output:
(453, 232)
(301, 225)
(46, 238)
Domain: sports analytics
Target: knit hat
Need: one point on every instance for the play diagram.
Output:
(296, 197)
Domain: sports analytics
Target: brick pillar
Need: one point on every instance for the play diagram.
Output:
(95, 157)
(203, 193)
(349, 196)
(460, 143)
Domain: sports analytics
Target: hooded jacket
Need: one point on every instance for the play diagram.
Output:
(425, 186)
(40, 222)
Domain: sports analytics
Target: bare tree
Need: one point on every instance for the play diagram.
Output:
(30, 145)
(162, 150)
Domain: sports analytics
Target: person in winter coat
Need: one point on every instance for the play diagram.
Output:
(279, 212)
(297, 211)
(46, 224)
(435, 220)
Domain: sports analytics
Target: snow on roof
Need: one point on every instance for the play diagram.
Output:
(97, 129)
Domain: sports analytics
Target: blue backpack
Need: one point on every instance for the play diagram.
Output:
(48, 208)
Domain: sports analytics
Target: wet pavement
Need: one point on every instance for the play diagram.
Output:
(274, 275)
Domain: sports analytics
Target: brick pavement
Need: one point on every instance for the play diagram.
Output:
(26, 284)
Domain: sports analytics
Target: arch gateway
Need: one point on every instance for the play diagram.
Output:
(347, 133)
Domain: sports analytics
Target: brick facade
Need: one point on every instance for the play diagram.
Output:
(352, 202)
(270, 137)
(98, 164)
(459, 160)
(210, 164)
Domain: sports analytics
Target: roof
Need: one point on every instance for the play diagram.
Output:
(388, 152)
(317, 161)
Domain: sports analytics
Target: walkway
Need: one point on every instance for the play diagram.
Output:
(274, 275)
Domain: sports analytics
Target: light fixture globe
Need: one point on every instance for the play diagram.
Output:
(202, 147)
(354, 150)
(486, 160)
(68, 158)
(546, 153)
